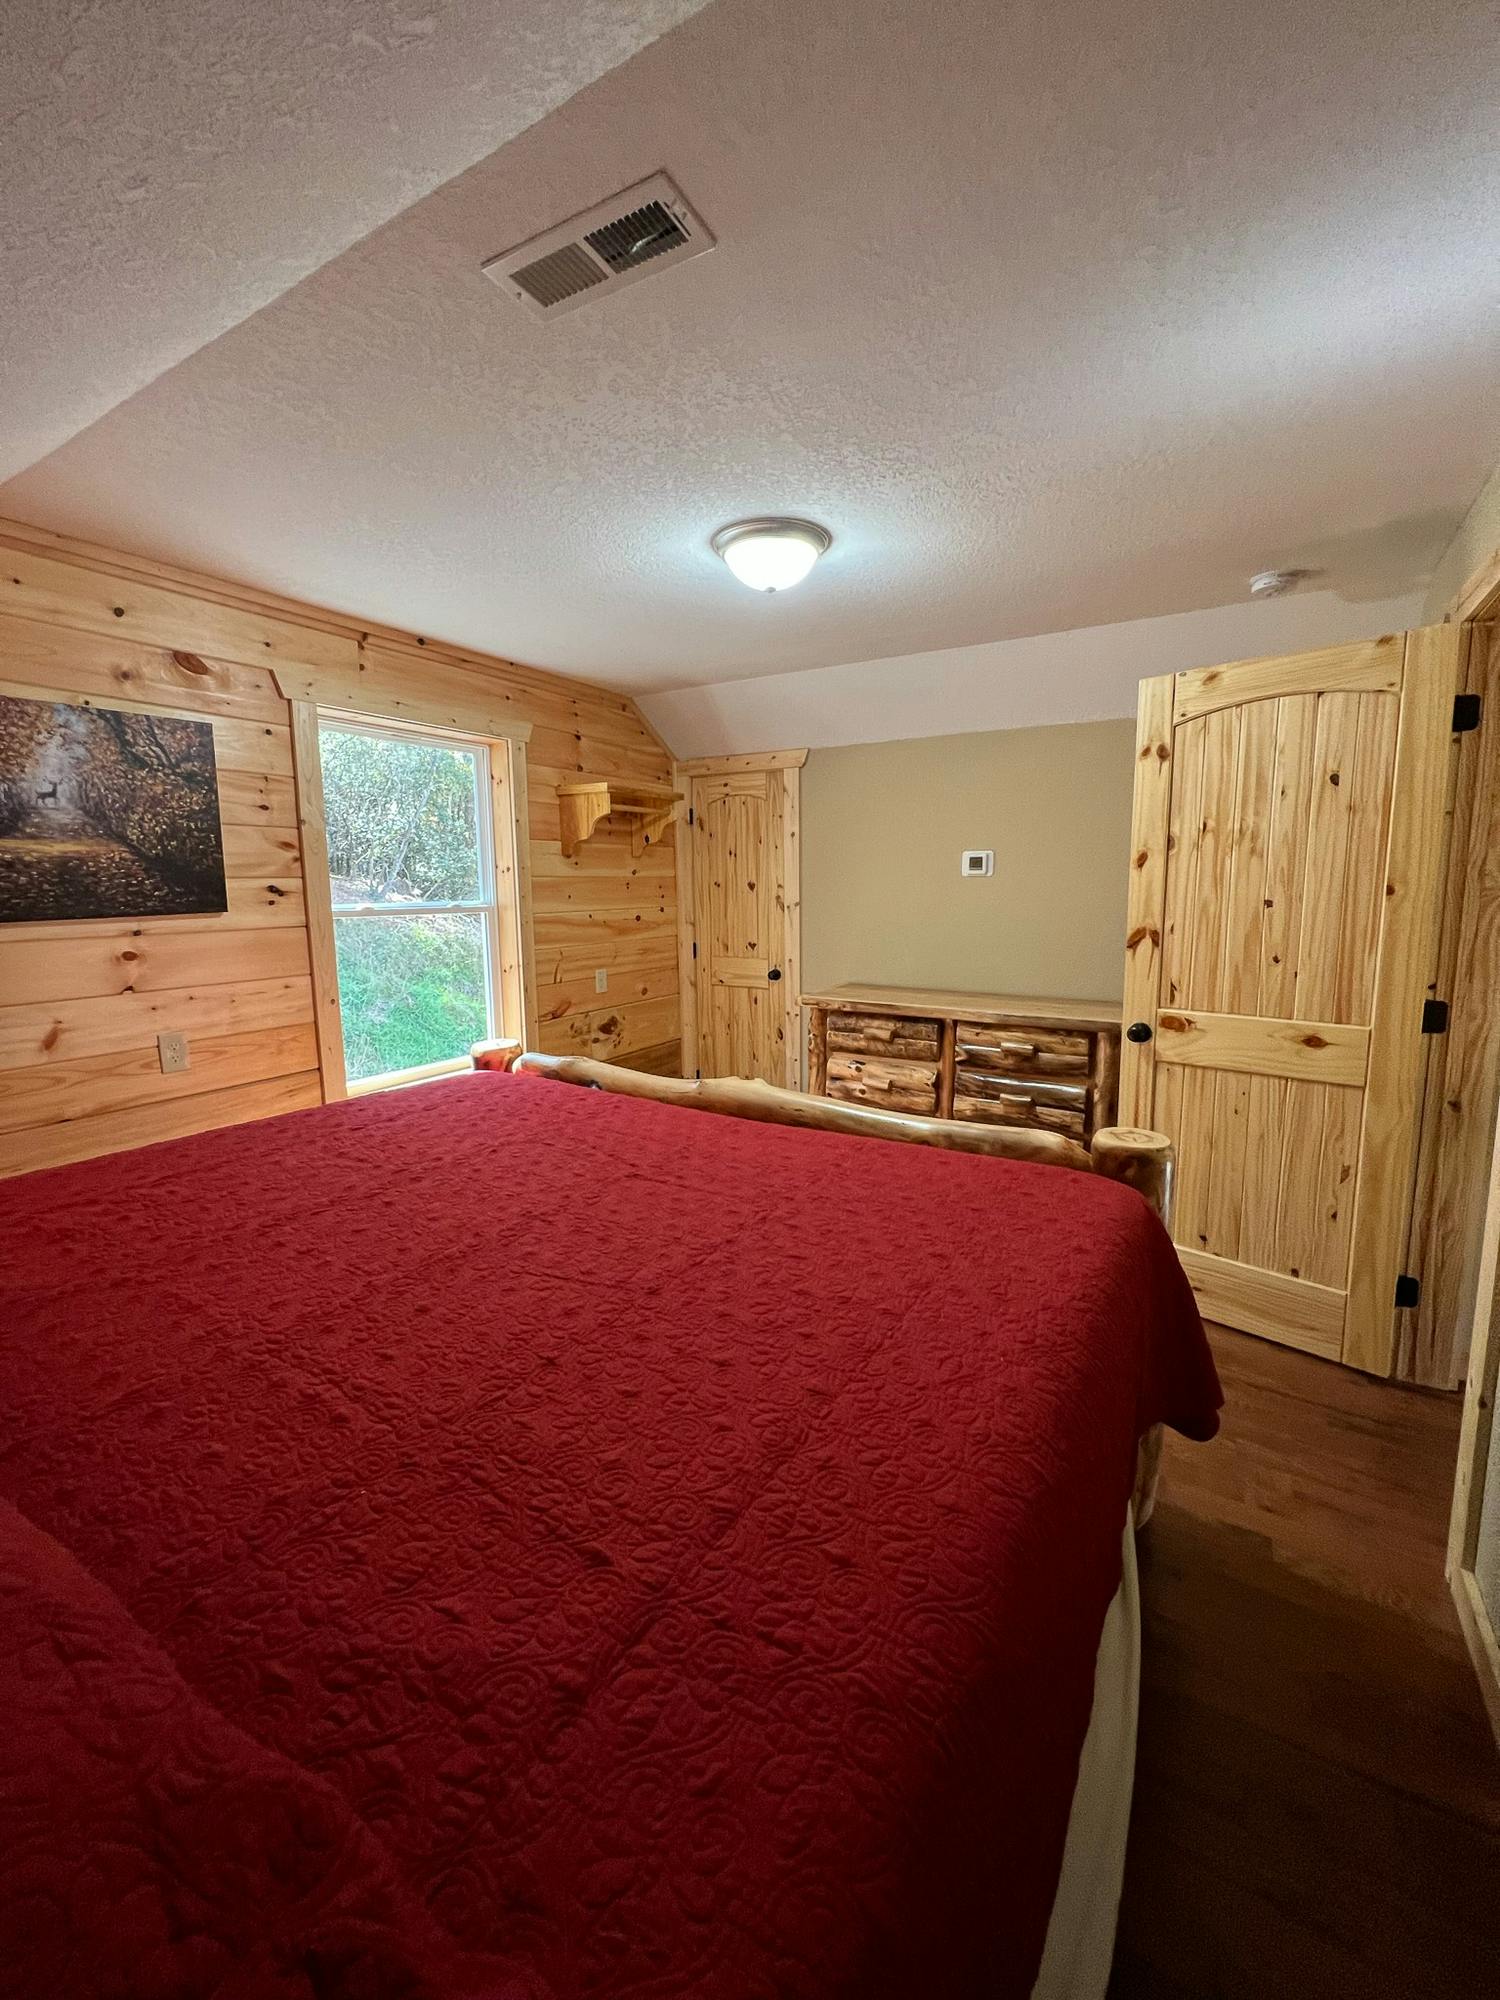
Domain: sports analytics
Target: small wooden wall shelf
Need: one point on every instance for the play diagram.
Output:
(583, 802)
(993, 1058)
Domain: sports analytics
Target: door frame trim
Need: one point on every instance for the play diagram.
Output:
(1151, 822)
(745, 760)
(1480, 596)
(1463, 1080)
(1405, 969)
(1473, 1460)
(1478, 603)
(787, 764)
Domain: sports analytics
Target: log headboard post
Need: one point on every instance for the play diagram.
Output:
(501, 1055)
(1142, 1160)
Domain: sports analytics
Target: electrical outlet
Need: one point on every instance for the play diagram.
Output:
(173, 1052)
(977, 861)
(601, 980)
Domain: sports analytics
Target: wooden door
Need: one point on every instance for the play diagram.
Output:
(741, 949)
(1286, 855)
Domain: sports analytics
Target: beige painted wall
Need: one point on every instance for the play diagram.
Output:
(1477, 539)
(883, 825)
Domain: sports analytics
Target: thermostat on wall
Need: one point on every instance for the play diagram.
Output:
(977, 861)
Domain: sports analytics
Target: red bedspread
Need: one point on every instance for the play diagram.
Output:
(682, 1543)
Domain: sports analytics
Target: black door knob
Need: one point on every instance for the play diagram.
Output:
(1138, 1031)
(774, 973)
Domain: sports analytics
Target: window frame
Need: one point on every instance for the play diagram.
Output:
(496, 842)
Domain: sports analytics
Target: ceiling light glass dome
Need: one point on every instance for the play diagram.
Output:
(772, 554)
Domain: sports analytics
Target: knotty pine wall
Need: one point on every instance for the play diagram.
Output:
(81, 1004)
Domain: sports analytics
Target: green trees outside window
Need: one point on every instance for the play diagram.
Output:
(413, 897)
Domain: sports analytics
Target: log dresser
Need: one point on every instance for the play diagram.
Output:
(995, 1058)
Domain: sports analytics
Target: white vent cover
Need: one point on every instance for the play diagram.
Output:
(635, 233)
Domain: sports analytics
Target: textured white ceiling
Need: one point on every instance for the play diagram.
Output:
(1056, 316)
(169, 166)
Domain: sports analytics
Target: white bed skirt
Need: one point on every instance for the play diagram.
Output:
(1081, 1933)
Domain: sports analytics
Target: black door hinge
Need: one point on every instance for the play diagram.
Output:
(1408, 1289)
(1434, 1017)
(695, 954)
(1466, 713)
(690, 816)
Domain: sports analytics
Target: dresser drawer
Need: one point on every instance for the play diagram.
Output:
(1023, 1051)
(883, 1082)
(994, 1098)
(884, 1035)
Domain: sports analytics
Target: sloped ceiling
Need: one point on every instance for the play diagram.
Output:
(170, 166)
(1087, 675)
(1056, 316)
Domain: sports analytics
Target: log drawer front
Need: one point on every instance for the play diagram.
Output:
(860, 1034)
(1027, 1052)
(1019, 1100)
(887, 1084)
(1047, 1064)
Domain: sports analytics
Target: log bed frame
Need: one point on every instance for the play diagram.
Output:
(1142, 1160)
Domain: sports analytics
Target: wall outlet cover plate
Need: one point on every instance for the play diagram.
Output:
(172, 1052)
(977, 861)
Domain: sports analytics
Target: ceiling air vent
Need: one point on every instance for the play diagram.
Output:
(641, 230)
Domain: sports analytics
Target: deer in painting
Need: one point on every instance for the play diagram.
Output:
(48, 797)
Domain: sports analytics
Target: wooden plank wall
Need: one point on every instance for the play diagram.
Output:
(81, 1004)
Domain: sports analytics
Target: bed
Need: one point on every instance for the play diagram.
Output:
(497, 1538)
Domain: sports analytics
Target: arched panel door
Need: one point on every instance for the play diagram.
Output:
(739, 895)
(1286, 856)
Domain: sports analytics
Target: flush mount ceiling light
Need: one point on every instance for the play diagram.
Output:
(1277, 582)
(771, 554)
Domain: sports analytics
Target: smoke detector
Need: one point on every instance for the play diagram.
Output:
(633, 235)
(1277, 582)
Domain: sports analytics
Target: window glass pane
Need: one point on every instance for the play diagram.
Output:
(403, 819)
(412, 990)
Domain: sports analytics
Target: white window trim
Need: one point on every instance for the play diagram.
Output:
(398, 1079)
(484, 817)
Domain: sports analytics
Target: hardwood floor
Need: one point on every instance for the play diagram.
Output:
(1317, 1807)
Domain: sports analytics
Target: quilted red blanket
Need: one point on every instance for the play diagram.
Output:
(634, 1553)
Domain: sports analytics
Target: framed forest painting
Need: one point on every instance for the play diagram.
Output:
(105, 813)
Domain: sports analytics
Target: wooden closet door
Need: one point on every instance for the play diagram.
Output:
(739, 903)
(1288, 838)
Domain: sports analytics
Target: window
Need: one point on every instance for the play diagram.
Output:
(411, 860)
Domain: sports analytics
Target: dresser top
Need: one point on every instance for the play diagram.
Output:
(992, 1010)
